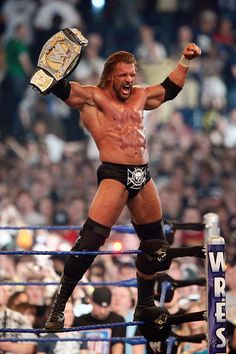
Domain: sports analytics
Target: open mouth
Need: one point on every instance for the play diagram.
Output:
(126, 89)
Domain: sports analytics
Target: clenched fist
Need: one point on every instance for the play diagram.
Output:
(191, 51)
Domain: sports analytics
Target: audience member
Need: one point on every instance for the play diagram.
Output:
(13, 319)
(91, 64)
(192, 328)
(123, 302)
(149, 50)
(101, 314)
(17, 298)
(18, 70)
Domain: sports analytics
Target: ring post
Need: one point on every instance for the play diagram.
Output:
(215, 274)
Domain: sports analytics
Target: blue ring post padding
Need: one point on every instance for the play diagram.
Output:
(170, 343)
(216, 295)
(167, 229)
(165, 285)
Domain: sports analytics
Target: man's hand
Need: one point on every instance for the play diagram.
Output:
(191, 51)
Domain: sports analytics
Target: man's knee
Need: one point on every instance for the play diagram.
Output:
(92, 236)
(151, 235)
(154, 257)
(150, 231)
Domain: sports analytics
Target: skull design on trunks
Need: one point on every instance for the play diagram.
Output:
(136, 178)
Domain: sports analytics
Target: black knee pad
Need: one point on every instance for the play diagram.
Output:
(153, 259)
(92, 236)
(155, 327)
(150, 231)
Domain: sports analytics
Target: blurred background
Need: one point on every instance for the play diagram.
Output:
(48, 162)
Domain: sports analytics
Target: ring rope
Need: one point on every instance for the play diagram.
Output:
(168, 227)
(72, 329)
(124, 283)
(121, 228)
(85, 253)
(172, 320)
(131, 340)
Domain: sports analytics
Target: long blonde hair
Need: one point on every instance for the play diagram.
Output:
(113, 59)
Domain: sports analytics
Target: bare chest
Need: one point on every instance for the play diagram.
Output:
(124, 115)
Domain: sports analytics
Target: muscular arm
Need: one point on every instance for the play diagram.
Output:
(173, 84)
(79, 95)
(73, 94)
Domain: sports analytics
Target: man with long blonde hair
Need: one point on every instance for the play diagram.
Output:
(112, 112)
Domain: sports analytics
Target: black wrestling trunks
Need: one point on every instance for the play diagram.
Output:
(134, 177)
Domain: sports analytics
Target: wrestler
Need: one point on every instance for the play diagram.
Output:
(112, 112)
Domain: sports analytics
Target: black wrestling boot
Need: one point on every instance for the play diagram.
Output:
(55, 319)
(145, 296)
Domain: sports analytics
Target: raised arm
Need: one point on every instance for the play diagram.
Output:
(73, 94)
(173, 84)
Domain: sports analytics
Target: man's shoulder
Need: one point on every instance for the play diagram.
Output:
(139, 87)
(139, 90)
(93, 90)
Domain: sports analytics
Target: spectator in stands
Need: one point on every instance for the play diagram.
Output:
(16, 298)
(13, 319)
(189, 238)
(96, 272)
(27, 209)
(66, 10)
(207, 23)
(18, 70)
(192, 328)
(149, 50)
(101, 314)
(14, 12)
(184, 35)
(123, 303)
(29, 311)
(91, 64)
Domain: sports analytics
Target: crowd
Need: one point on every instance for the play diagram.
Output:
(48, 162)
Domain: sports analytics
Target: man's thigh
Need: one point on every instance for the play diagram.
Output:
(108, 202)
(145, 207)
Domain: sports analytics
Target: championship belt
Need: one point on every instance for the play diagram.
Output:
(58, 58)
